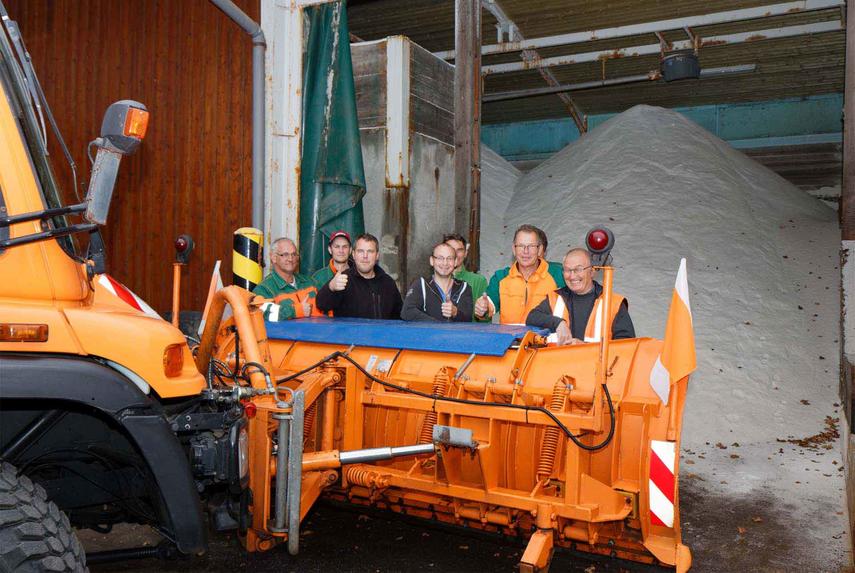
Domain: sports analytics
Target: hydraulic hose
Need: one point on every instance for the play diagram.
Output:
(564, 429)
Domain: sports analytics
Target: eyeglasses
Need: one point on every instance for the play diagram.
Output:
(577, 270)
(526, 247)
(287, 255)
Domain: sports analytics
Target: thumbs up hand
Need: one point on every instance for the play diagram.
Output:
(448, 309)
(482, 305)
(338, 282)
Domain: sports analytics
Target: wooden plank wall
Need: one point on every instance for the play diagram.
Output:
(191, 66)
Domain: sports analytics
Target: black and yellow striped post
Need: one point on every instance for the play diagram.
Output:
(247, 257)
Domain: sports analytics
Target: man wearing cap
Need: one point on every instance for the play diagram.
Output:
(363, 290)
(339, 250)
(477, 283)
(293, 295)
(572, 312)
(441, 297)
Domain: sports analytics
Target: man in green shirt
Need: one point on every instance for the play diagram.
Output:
(293, 295)
(477, 283)
(339, 250)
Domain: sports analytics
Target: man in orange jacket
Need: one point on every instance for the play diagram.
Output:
(573, 312)
(515, 290)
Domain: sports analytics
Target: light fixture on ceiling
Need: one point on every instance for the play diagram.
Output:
(680, 65)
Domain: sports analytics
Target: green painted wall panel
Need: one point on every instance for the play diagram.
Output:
(755, 124)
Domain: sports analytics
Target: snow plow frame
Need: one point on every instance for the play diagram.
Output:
(567, 446)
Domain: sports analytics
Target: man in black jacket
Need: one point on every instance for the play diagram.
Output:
(363, 290)
(441, 297)
(571, 312)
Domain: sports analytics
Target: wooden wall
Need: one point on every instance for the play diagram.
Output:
(191, 66)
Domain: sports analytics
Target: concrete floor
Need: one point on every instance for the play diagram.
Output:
(725, 535)
(336, 539)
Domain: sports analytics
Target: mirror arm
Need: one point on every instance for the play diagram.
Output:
(41, 215)
(49, 234)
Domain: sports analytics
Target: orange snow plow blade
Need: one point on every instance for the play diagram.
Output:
(565, 446)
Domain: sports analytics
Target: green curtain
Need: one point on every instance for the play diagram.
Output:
(332, 179)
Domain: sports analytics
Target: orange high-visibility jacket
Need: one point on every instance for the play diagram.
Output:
(594, 328)
(297, 298)
(516, 295)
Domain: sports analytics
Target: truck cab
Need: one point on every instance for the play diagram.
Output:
(102, 417)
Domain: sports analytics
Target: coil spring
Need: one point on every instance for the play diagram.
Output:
(309, 422)
(441, 381)
(551, 435)
(360, 475)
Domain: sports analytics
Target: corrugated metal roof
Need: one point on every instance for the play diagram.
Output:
(786, 67)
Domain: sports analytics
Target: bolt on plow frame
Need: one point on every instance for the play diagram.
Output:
(481, 426)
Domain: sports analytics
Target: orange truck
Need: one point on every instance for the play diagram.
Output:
(109, 415)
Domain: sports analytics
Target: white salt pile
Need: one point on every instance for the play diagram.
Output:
(498, 180)
(764, 287)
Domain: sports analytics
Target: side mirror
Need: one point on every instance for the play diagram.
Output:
(122, 130)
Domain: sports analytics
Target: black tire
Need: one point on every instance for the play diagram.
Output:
(34, 534)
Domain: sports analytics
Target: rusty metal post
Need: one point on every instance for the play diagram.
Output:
(847, 195)
(467, 124)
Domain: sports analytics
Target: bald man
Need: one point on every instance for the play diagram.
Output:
(571, 311)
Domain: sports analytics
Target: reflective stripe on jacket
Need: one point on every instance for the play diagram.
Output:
(594, 328)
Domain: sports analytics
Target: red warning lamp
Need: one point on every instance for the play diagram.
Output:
(597, 240)
(183, 247)
(600, 241)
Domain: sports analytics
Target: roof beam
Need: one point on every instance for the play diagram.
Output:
(729, 16)
(739, 38)
(649, 76)
(531, 56)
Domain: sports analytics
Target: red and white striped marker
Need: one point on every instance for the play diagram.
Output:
(125, 294)
(662, 482)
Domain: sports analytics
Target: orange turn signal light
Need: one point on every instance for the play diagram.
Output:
(136, 122)
(173, 360)
(19, 332)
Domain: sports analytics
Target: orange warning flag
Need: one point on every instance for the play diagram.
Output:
(677, 359)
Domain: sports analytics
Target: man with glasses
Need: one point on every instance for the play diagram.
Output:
(442, 297)
(293, 294)
(477, 283)
(572, 312)
(515, 290)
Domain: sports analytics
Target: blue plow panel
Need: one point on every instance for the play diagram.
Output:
(457, 338)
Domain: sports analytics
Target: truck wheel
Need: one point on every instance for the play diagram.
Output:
(34, 534)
